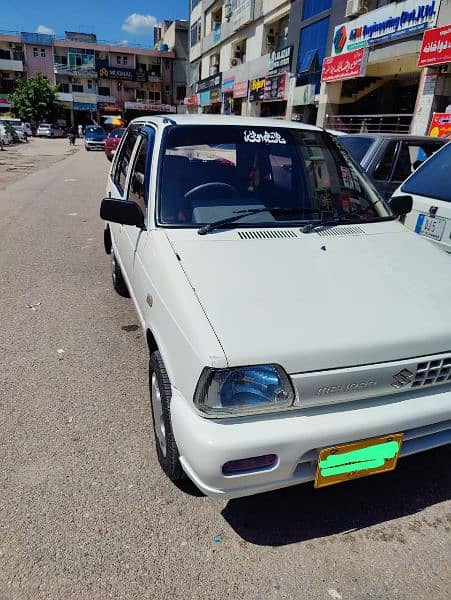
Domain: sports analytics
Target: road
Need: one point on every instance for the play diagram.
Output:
(86, 513)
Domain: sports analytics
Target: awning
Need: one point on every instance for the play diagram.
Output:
(308, 60)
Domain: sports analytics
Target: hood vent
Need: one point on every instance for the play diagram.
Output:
(337, 230)
(268, 234)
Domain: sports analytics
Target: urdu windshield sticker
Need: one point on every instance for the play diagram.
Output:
(267, 138)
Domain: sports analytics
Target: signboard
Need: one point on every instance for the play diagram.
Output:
(392, 21)
(280, 60)
(345, 66)
(204, 98)
(5, 100)
(242, 12)
(144, 106)
(423, 106)
(215, 96)
(227, 84)
(115, 107)
(191, 100)
(87, 106)
(209, 83)
(275, 87)
(257, 89)
(304, 94)
(240, 89)
(436, 47)
(440, 125)
(117, 73)
(141, 75)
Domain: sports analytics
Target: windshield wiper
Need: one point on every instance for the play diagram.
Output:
(253, 211)
(341, 221)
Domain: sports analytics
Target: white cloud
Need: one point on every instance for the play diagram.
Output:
(45, 29)
(123, 43)
(136, 23)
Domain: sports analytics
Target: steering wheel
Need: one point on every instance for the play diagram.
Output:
(212, 185)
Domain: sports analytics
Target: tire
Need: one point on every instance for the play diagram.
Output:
(87, 149)
(160, 401)
(118, 280)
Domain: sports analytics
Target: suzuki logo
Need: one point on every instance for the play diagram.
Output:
(402, 378)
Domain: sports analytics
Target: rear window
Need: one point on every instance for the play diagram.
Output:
(214, 172)
(432, 179)
(356, 146)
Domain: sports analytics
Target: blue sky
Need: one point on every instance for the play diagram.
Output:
(129, 21)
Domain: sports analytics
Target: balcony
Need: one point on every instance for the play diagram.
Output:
(11, 65)
(79, 71)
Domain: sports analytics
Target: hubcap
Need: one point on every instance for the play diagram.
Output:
(160, 429)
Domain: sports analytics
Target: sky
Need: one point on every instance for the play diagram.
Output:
(129, 22)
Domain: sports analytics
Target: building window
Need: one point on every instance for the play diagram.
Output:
(167, 65)
(180, 92)
(196, 31)
(35, 52)
(89, 84)
(76, 87)
(104, 91)
(140, 94)
(124, 60)
(155, 92)
(194, 3)
(42, 52)
(64, 87)
(312, 49)
(119, 60)
(314, 7)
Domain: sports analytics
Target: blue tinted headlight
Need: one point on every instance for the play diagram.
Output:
(243, 390)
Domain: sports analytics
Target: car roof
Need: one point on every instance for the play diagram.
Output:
(395, 136)
(184, 119)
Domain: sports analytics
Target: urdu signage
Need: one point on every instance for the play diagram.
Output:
(280, 60)
(345, 66)
(436, 47)
(392, 21)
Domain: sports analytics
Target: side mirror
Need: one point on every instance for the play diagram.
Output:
(121, 211)
(401, 205)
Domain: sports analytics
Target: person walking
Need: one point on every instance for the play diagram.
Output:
(80, 130)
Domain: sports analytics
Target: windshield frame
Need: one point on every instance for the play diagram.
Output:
(377, 198)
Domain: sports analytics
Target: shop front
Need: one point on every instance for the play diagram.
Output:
(371, 80)
(227, 94)
(274, 103)
(192, 104)
(133, 110)
(84, 109)
(240, 90)
(210, 95)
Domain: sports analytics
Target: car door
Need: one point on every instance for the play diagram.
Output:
(382, 167)
(138, 191)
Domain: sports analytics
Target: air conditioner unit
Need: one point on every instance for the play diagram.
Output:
(355, 8)
(235, 61)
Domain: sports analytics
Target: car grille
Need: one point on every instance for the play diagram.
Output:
(433, 371)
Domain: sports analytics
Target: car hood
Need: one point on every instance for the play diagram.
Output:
(95, 136)
(341, 297)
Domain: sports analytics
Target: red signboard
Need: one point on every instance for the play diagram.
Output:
(240, 89)
(191, 100)
(345, 66)
(440, 125)
(436, 47)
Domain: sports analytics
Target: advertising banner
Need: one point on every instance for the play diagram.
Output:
(275, 87)
(436, 47)
(240, 89)
(215, 96)
(280, 60)
(192, 100)
(117, 73)
(86, 106)
(392, 21)
(257, 89)
(110, 107)
(144, 106)
(440, 125)
(228, 83)
(209, 83)
(345, 66)
(5, 101)
(242, 12)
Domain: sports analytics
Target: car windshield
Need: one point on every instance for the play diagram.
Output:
(117, 133)
(431, 178)
(356, 146)
(94, 129)
(215, 172)
(44, 125)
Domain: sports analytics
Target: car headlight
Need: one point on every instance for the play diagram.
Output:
(243, 390)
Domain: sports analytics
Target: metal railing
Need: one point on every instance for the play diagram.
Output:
(382, 123)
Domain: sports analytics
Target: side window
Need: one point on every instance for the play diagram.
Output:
(411, 156)
(137, 191)
(384, 167)
(121, 169)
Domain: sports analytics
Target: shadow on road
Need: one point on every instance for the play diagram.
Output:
(302, 513)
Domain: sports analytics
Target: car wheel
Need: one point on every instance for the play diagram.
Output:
(87, 148)
(160, 400)
(118, 279)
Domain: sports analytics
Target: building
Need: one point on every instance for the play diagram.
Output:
(372, 80)
(240, 59)
(173, 35)
(94, 80)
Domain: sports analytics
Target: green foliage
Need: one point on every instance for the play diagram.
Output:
(34, 99)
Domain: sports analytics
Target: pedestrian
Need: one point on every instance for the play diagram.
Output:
(80, 130)
(25, 132)
(72, 136)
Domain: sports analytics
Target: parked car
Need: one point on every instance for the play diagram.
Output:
(293, 333)
(11, 130)
(18, 126)
(112, 142)
(5, 135)
(49, 130)
(430, 189)
(389, 159)
(95, 137)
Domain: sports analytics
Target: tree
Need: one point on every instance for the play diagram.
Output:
(34, 99)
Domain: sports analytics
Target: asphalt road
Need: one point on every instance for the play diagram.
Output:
(85, 512)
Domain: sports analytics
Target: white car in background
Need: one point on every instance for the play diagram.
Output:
(49, 130)
(5, 135)
(17, 125)
(430, 188)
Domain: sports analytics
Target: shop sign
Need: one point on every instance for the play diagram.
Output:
(215, 96)
(280, 60)
(163, 108)
(204, 98)
(436, 47)
(5, 100)
(141, 76)
(86, 106)
(110, 106)
(345, 66)
(423, 106)
(275, 87)
(117, 73)
(304, 94)
(392, 21)
(257, 89)
(227, 84)
(242, 12)
(240, 89)
(209, 83)
(440, 125)
(191, 100)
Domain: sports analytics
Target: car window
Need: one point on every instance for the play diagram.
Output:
(212, 172)
(356, 146)
(121, 167)
(137, 183)
(410, 156)
(384, 167)
(432, 178)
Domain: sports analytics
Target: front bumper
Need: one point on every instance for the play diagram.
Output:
(297, 436)
(95, 144)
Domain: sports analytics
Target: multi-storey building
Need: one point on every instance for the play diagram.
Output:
(174, 35)
(94, 79)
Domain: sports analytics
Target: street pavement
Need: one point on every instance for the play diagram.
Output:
(86, 513)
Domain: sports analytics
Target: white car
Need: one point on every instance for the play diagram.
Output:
(49, 130)
(430, 189)
(17, 125)
(297, 330)
(5, 135)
